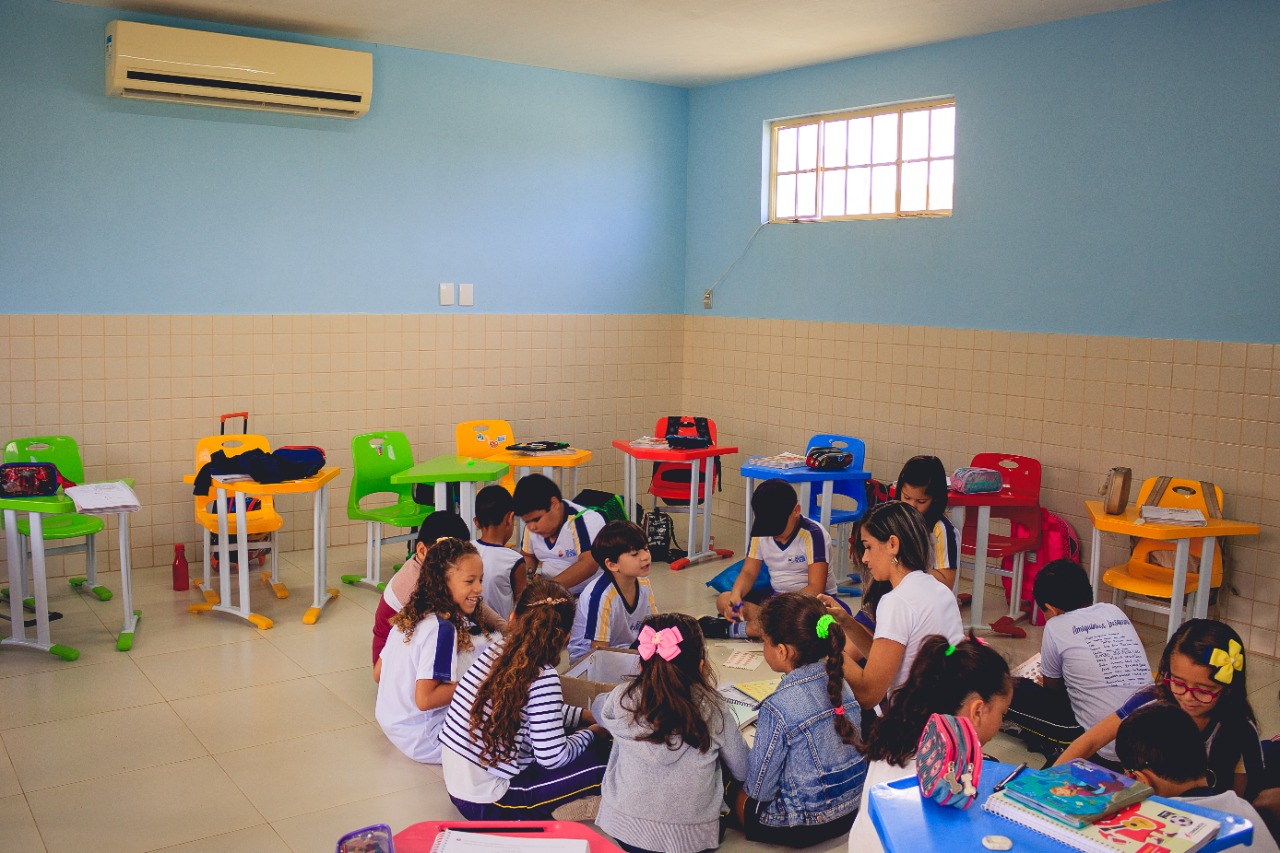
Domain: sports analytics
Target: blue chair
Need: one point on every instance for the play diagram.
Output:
(853, 489)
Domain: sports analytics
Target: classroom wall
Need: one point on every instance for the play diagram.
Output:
(1115, 176)
(550, 192)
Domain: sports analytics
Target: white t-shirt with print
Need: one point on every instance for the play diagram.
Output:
(789, 561)
(554, 556)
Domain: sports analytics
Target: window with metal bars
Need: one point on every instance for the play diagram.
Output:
(875, 163)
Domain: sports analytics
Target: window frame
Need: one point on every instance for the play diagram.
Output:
(843, 115)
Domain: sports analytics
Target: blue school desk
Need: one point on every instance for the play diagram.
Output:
(908, 823)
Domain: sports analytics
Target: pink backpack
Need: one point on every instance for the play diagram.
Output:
(1058, 540)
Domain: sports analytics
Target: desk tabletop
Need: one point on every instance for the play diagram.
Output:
(802, 474)
(313, 483)
(671, 454)
(451, 468)
(1128, 523)
(907, 823)
(58, 504)
(570, 457)
(1004, 497)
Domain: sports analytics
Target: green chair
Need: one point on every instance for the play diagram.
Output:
(375, 456)
(61, 451)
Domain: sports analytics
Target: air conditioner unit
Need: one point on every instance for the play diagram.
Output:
(156, 63)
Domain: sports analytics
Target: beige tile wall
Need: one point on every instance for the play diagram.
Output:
(137, 391)
(1079, 404)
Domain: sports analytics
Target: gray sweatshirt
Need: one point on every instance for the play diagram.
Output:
(665, 799)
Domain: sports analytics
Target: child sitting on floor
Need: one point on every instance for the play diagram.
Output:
(557, 534)
(439, 525)
(505, 574)
(967, 679)
(1203, 672)
(506, 754)
(613, 605)
(429, 646)
(795, 549)
(669, 723)
(1091, 661)
(1151, 744)
(806, 770)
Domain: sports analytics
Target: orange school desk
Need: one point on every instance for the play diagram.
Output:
(317, 485)
(1127, 524)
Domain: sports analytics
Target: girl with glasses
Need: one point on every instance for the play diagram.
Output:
(1203, 672)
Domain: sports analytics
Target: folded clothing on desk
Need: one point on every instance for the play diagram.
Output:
(285, 463)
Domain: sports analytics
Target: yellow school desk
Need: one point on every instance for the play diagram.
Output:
(1128, 524)
(317, 485)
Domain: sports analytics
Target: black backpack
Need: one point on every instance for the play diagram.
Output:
(660, 531)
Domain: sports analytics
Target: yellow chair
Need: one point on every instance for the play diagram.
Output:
(1142, 575)
(484, 438)
(262, 520)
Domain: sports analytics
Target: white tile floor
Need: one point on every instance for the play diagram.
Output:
(211, 735)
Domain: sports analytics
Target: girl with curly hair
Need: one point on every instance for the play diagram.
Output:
(507, 752)
(430, 644)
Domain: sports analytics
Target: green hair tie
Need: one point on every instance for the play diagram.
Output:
(950, 649)
(825, 621)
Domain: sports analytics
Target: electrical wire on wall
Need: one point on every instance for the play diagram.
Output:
(706, 296)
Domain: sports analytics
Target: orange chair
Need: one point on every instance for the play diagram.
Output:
(671, 480)
(1142, 575)
(484, 438)
(1022, 475)
(263, 519)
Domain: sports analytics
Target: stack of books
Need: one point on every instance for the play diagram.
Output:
(1090, 808)
(782, 460)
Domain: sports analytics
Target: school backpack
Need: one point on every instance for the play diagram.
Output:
(660, 531)
(611, 506)
(949, 761)
(1058, 540)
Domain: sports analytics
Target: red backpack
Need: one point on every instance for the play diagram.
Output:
(1058, 540)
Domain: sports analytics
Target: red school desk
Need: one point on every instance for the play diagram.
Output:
(699, 462)
(957, 504)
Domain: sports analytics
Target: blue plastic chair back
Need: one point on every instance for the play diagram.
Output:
(847, 488)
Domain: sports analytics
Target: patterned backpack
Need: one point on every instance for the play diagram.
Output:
(949, 761)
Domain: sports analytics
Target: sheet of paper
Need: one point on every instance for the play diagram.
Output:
(457, 841)
(743, 660)
(103, 497)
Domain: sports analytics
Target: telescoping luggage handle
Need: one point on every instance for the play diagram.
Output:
(222, 427)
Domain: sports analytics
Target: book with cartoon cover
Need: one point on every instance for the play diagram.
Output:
(1152, 826)
(1077, 793)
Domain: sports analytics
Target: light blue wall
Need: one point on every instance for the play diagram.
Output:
(552, 192)
(1117, 175)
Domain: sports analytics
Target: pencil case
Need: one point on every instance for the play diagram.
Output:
(974, 481)
(949, 761)
(30, 479)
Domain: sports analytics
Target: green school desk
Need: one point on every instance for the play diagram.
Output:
(451, 468)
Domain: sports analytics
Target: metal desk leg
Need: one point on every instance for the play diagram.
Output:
(1200, 608)
(828, 492)
(1095, 562)
(40, 591)
(1180, 560)
(467, 499)
(706, 508)
(321, 594)
(125, 641)
(442, 497)
(980, 566)
(956, 514)
(746, 539)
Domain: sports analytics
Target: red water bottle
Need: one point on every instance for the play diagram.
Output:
(181, 578)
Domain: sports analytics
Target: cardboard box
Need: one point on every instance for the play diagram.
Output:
(598, 672)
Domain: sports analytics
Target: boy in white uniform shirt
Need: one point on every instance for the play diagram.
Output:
(505, 576)
(613, 605)
(557, 534)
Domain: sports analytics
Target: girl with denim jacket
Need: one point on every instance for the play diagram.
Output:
(968, 679)
(806, 769)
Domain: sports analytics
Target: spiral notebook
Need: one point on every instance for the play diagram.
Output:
(1151, 826)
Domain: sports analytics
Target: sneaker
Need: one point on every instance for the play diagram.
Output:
(714, 627)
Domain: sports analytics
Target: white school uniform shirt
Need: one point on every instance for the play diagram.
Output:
(499, 563)
(603, 615)
(1100, 659)
(789, 561)
(556, 555)
(918, 607)
(431, 653)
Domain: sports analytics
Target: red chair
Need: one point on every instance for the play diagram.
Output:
(671, 480)
(1022, 476)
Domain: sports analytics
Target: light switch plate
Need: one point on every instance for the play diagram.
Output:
(466, 294)
(446, 293)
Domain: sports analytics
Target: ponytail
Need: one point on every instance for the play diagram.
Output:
(941, 678)
(801, 621)
(544, 617)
